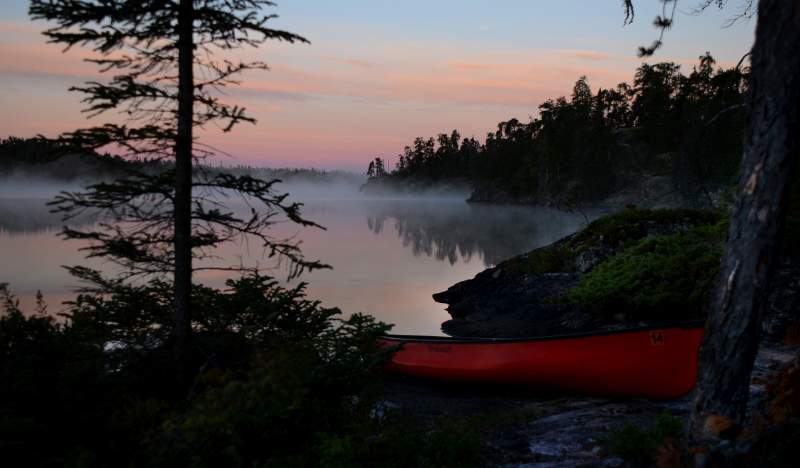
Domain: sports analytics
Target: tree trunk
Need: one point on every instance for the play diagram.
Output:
(770, 151)
(183, 175)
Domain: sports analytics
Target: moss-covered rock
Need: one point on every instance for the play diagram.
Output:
(632, 223)
(665, 277)
(641, 258)
(551, 259)
(605, 237)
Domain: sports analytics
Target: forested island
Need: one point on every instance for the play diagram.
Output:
(665, 139)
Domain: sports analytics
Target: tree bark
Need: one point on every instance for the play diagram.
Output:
(183, 175)
(770, 153)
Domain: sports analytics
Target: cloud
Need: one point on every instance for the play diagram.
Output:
(587, 54)
(315, 105)
(474, 66)
(21, 28)
(30, 59)
(266, 90)
(413, 73)
(509, 79)
(498, 79)
(358, 63)
(66, 79)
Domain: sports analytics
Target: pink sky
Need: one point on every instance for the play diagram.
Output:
(360, 91)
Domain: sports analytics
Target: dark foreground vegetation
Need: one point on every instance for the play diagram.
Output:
(283, 381)
(682, 128)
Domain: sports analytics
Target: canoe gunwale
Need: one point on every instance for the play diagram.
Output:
(692, 324)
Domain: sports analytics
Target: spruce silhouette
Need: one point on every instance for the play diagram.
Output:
(168, 61)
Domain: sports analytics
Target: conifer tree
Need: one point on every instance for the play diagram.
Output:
(168, 61)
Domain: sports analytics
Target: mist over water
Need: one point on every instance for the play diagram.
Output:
(30, 184)
(389, 254)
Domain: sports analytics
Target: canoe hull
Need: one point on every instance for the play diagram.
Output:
(653, 363)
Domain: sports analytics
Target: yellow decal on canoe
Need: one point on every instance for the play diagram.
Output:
(657, 337)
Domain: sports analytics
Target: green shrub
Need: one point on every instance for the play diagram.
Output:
(660, 277)
(269, 372)
(274, 379)
(274, 411)
(51, 387)
(632, 224)
(639, 446)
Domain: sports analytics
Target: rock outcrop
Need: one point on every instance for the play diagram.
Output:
(526, 295)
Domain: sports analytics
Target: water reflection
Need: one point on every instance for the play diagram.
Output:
(21, 216)
(454, 230)
(388, 257)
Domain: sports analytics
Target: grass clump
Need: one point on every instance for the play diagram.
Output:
(550, 259)
(660, 277)
(639, 446)
(400, 440)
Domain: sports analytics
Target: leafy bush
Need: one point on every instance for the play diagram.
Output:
(639, 446)
(272, 379)
(660, 277)
(49, 387)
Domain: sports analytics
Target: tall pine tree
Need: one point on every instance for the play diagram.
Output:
(168, 60)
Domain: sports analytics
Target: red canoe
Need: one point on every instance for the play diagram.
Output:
(643, 362)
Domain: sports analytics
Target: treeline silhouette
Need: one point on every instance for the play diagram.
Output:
(54, 159)
(586, 147)
(292, 174)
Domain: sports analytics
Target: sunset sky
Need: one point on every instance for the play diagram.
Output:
(379, 73)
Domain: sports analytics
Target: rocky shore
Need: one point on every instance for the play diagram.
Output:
(540, 431)
(533, 294)
(527, 295)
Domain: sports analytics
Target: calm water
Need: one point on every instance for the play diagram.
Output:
(388, 256)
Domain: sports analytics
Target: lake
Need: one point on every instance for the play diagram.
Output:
(388, 255)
